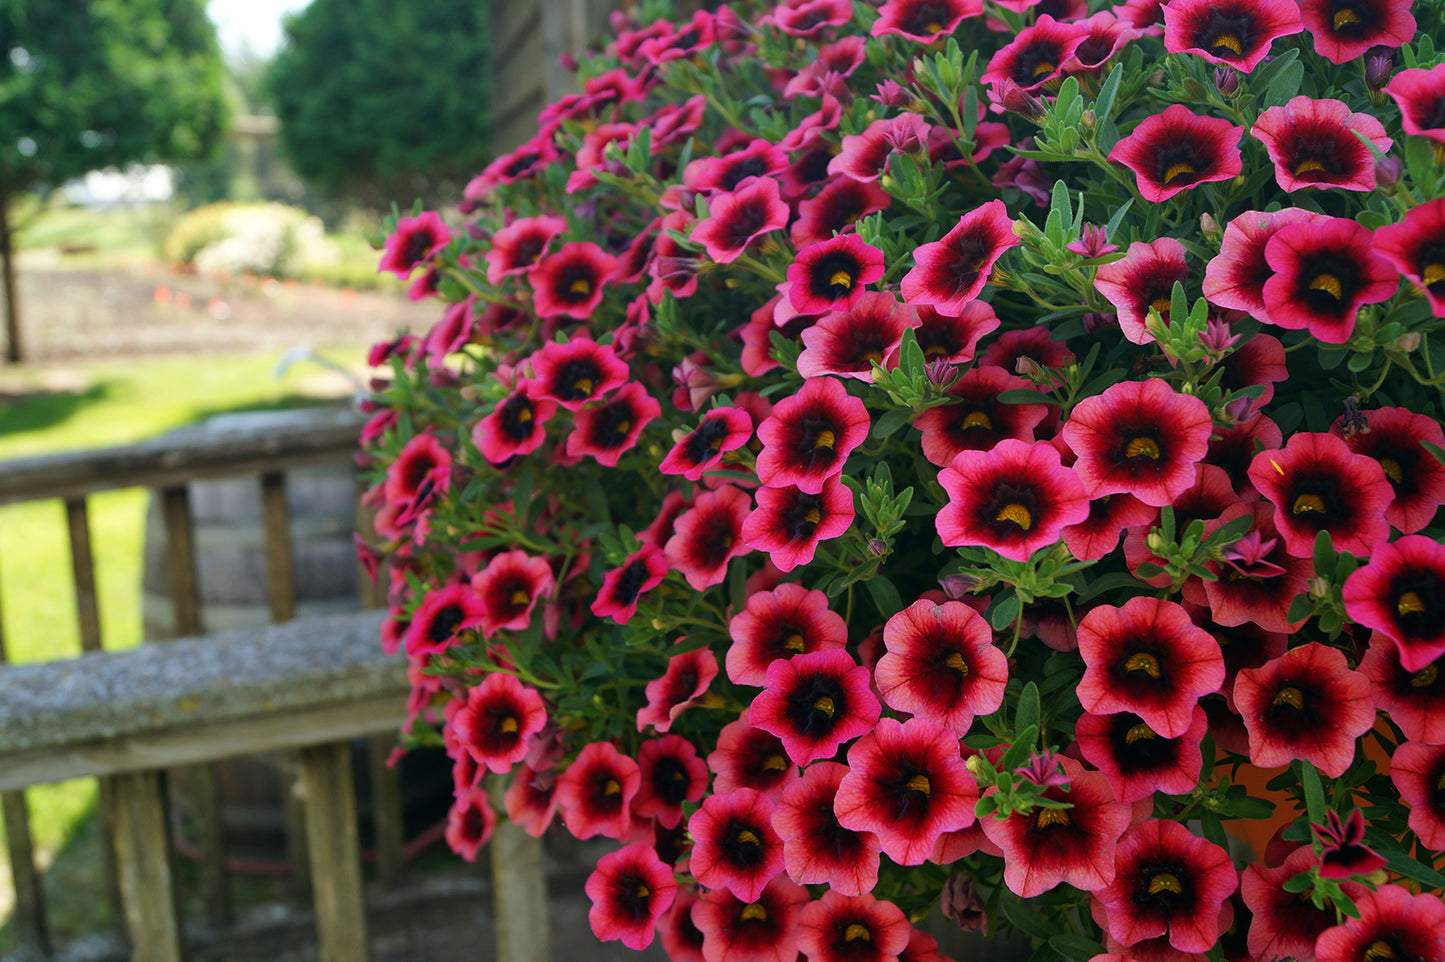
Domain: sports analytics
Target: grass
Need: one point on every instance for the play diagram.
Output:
(113, 403)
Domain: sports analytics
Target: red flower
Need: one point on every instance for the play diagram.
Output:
(496, 720)
(531, 801)
(1136, 759)
(1317, 143)
(1393, 924)
(1139, 438)
(788, 523)
(1307, 704)
(1143, 278)
(817, 850)
(1401, 594)
(1234, 449)
(978, 421)
(1346, 30)
(747, 757)
(941, 665)
(712, 174)
(1414, 700)
(423, 466)
(670, 773)
(1044, 847)
(848, 343)
(510, 586)
(1235, 277)
(1258, 362)
(1317, 484)
(1235, 32)
(630, 890)
(470, 822)
(1324, 273)
(595, 792)
(708, 536)
(1035, 57)
(516, 426)
(803, 18)
(734, 845)
(571, 280)
(1168, 881)
(621, 587)
(1418, 771)
(763, 930)
(679, 688)
(721, 430)
(852, 928)
(1285, 924)
(1343, 851)
(1098, 534)
(607, 431)
(814, 703)
(1177, 150)
(517, 247)
(1420, 95)
(832, 275)
(786, 621)
(576, 372)
(414, 240)
(1416, 246)
(907, 784)
(835, 209)
(442, 615)
(952, 339)
(736, 219)
(807, 439)
(864, 157)
(1014, 499)
(1150, 659)
(1258, 579)
(923, 20)
(951, 271)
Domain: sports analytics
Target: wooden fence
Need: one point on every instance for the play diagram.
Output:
(128, 716)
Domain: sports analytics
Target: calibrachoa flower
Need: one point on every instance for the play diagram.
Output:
(630, 890)
(1235, 277)
(1175, 150)
(748, 757)
(1139, 438)
(848, 343)
(1345, 29)
(414, 240)
(1392, 924)
(789, 620)
(1014, 499)
(519, 245)
(1416, 246)
(808, 437)
(608, 430)
(817, 850)
(576, 372)
(510, 586)
(852, 928)
(1401, 593)
(1324, 273)
(1136, 759)
(736, 219)
(570, 281)
(1236, 32)
(1418, 771)
(1285, 924)
(679, 688)
(1317, 484)
(495, 721)
(1167, 881)
(595, 792)
(708, 535)
(814, 703)
(670, 773)
(621, 587)
(764, 929)
(832, 275)
(470, 823)
(722, 430)
(442, 615)
(1420, 95)
(734, 844)
(1306, 704)
(788, 523)
(1412, 699)
(951, 271)
(977, 421)
(941, 664)
(1142, 279)
(1320, 143)
(516, 426)
(923, 20)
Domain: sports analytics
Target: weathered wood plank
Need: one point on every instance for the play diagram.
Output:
(29, 920)
(389, 828)
(335, 853)
(280, 565)
(317, 438)
(144, 854)
(181, 559)
(82, 568)
(512, 22)
(519, 889)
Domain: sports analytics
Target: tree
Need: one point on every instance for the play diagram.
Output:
(383, 100)
(89, 84)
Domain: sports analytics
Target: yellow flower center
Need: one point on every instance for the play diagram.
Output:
(956, 662)
(774, 763)
(1051, 816)
(825, 705)
(1143, 661)
(977, 419)
(508, 725)
(825, 439)
(1379, 949)
(932, 26)
(794, 642)
(1016, 513)
(1328, 283)
(1044, 68)
(841, 279)
(754, 910)
(642, 891)
(1161, 304)
(1290, 696)
(1308, 502)
(747, 836)
(1142, 448)
(1425, 677)
(1230, 42)
(1164, 882)
(1307, 166)
(1393, 471)
(582, 385)
(1178, 169)
(1137, 733)
(854, 932)
(580, 286)
(1343, 18)
(1433, 274)
(812, 516)
(612, 788)
(920, 783)
(519, 597)
(524, 415)
(1409, 603)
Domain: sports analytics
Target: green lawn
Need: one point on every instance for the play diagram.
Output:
(115, 403)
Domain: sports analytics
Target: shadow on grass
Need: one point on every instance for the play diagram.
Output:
(41, 409)
(288, 402)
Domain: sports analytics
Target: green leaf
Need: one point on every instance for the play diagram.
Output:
(1247, 806)
(1112, 581)
(1300, 608)
(1027, 715)
(1314, 792)
(1324, 554)
(1075, 947)
(1021, 395)
(1020, 750)
(1104, 103)
(1402, 864)
(1213, 829)
(890, 421)
(885, 595)
(1004, 611)
(522, 493)
(1298, 883)
(910, 356)
(1025, 919)
(1435, 450)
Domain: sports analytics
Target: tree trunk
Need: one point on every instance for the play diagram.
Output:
(12, 294)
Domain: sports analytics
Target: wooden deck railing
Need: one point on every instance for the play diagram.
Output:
(167, 465)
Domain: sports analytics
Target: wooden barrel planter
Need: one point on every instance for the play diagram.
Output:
(229, 544)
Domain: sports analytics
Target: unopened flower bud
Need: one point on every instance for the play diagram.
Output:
(1088, 123)
(1407, 343)
(877, 547)
(974, 764)
(1210, 227)
(1226, 78)
(891, 94)
(1319, 588)
(1379, 67)
(1019, 101)
(961, 905)
(1156, 543)
(1387, 171)
(957, 586)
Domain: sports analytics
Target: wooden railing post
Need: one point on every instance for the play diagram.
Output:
(143, 854)
(200, 779)
(387, 816)
(519, 890)
(335, 852)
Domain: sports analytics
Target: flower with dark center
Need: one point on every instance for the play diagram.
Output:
(1142, 279)
(764, 930)
(1420, 95)
(832, 275)
(1178, 149)
(630, 890)
(576, 372)
(607, 431)
(941, 664)
(1015, 498)
(977, 421)
(808, 437)
(787, 621)
(852, 928)
(571, 280)
(709, 535)
(671, 774)
(848, 343)
(1416, 246)
(1344, 30)
(441, 617)
(721, 430)
(515, 427)
(1034, 59)
(510, 586)
(621, 587)
(788, 523)
(595, 792)
(1324, 273)
(1316, 483)
(924, 20)
(738, 218)
(1234, 278)
(1287, 924)
(1136, 759)
(816, 849)
(470, 823)
(1308, 703)
(815, 703)
(1343, 852)
(1414, 700)
(518, 246)
(1168, 881)
(1320, 143)
(835, 209)
(734, 844)
(951, 272)
(1393, 923)
(748, 757)
(681, 686)
(726, 173)
(1401, 593)
(414, 240)
(1418, 772)
(1233, 32)
(495, 721)
(1258, 579)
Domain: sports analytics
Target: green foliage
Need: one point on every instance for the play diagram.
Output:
(380, 99)
(88, 84)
